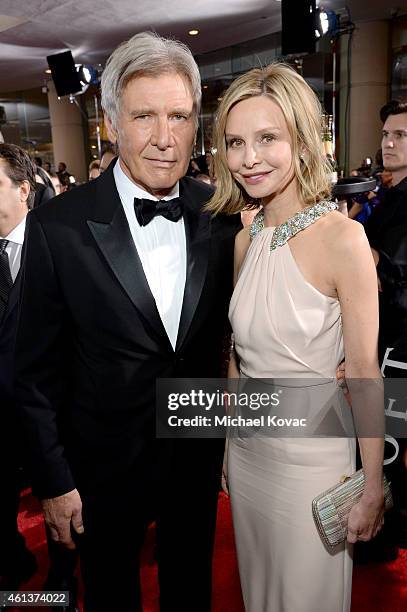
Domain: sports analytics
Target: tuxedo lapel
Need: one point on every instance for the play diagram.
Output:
(12, 299)
(198, 234)
(111, 232)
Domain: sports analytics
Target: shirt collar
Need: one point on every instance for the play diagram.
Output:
(17, 234)
(130, 190)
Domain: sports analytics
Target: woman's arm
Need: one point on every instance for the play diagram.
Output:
(354, 275)
(242, 242)
(233, 370)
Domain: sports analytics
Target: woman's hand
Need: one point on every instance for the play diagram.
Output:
(366, 518)
(224, 480)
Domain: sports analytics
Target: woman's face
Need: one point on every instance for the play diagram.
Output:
(259, 147)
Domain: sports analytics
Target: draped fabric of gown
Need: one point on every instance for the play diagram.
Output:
(285, 328)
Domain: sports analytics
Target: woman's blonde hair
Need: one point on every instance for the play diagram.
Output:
(303, 114)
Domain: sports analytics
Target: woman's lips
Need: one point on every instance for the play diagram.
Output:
(254, 179)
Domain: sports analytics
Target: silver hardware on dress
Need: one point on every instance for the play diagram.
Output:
(295, 224)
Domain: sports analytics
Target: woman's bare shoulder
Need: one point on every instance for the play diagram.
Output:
(242, 243)
(242, 240)
(343, 233)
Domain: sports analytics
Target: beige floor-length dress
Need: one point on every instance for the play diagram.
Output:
(285, 328)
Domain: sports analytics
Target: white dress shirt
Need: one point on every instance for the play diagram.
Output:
(15, 244)
(161, 246)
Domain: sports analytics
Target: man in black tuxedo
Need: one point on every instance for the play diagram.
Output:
(127, 281)
(17, 190)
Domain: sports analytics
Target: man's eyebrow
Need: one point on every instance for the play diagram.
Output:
(140, 111)
(399, 130)
(179, 110)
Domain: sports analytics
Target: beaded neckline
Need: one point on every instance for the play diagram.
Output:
(301, 220)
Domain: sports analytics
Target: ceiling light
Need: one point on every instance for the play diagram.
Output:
(205, 86)
(48, 71)
(193, 32)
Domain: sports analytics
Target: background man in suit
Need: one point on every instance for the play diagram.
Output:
(386, 230)
(127, 281)
(17, 190)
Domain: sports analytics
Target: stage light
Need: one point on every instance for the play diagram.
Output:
(326, 22)
(87, 74)
(298, 27)
(83, 74)
(64, 73)
(323, 17)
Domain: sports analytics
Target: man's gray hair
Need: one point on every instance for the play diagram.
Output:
(146, 54)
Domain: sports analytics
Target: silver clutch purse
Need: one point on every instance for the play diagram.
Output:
(332, 507)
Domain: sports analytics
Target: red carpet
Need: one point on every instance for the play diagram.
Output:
(376, 587)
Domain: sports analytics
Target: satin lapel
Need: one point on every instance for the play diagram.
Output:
(198, 235)
(116, 243)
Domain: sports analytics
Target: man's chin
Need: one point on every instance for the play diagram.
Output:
(161, 189)
(163, 180)
(392, 167)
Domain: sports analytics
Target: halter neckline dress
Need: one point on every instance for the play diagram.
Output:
(286, 328)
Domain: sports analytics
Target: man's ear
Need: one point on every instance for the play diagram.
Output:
(111, 132)
(24, 188)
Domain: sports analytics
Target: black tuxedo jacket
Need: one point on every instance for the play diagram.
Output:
(8, 327)
(10, 449)
(91, 343)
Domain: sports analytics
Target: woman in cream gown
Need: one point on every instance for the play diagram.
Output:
(300, 300)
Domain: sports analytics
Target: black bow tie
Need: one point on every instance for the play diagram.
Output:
(146, 210)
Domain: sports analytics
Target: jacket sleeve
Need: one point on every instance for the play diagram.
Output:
(40, 384)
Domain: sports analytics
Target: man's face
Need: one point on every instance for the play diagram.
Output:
(394, 146)
(57, 184)
(12, 198)
(155, 131)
